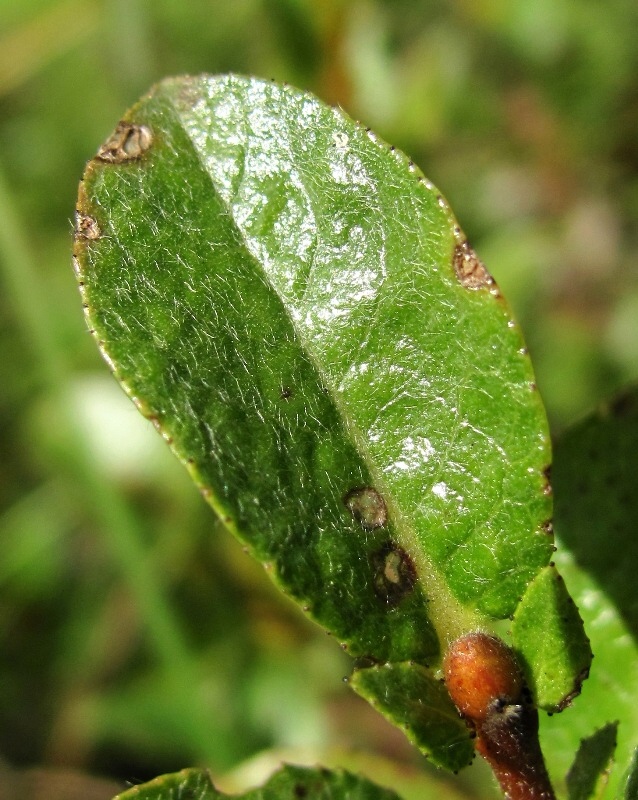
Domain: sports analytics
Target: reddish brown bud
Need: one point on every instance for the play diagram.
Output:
(486, 685)
(480, 673)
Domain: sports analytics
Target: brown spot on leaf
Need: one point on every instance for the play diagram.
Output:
(128, 142)
(578, 685)
(394, 572)
(367, 506)
(86, 227)
(470, 270)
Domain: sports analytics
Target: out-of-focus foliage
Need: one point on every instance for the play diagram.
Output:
(134, 639)
(289, 781)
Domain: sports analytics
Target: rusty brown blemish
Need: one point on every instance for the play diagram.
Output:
(128, 142)
(367, 506)
(578, 685)
(286, 393)
(469, 269)
(394, 573)
(86, 227)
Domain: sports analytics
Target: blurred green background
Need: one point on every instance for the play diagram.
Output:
(136, 637)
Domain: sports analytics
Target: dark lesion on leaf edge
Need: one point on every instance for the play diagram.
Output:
(470, 270)
(86, 227)
(128, 142)
(578, 685)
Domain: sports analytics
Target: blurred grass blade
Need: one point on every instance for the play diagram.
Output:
(23, 52)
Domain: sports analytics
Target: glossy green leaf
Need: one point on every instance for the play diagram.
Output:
(289, 783)
(418, 703)
(294, 306)
(596, 500)
(587, 777)
(557, 662)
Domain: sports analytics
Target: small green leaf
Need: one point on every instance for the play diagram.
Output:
(289, 783)
(549, 636)
(418, 703)
(587, 777)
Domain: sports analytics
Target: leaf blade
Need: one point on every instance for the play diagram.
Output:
(470, 549)
(296, 309)
(367, 263)
(288, 782)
